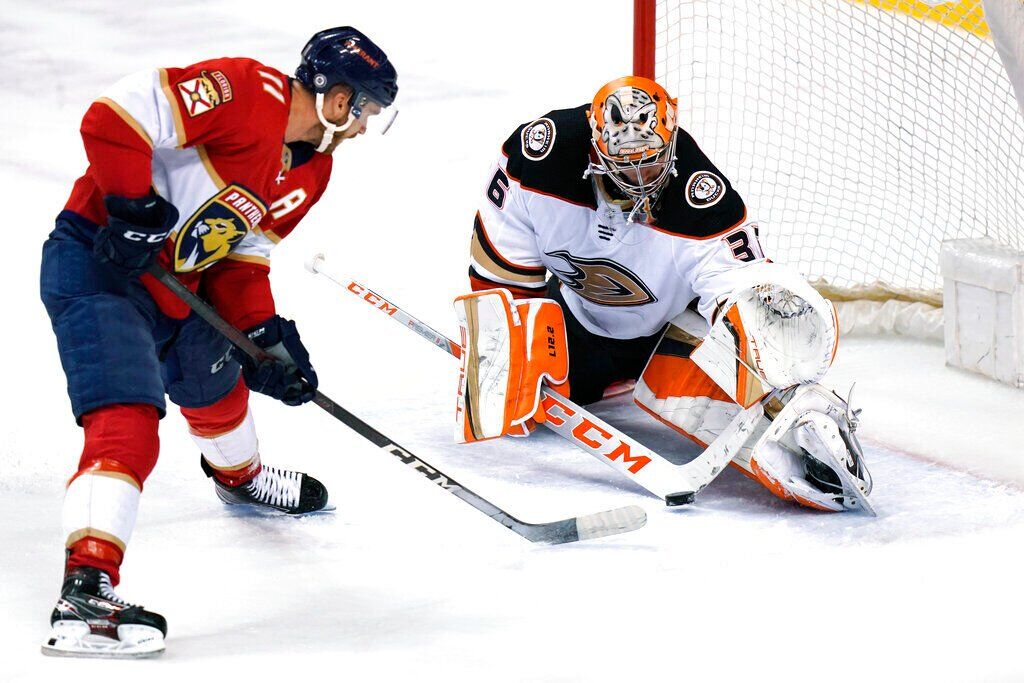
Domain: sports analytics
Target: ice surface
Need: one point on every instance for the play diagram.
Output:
(404, 580)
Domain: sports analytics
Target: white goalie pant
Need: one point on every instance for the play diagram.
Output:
(770, 344)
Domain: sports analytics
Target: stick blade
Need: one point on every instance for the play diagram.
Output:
(618, 521)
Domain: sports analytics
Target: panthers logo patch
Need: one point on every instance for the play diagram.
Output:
(216, 227)
(602, 281)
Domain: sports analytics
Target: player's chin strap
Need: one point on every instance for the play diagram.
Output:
(330, 129)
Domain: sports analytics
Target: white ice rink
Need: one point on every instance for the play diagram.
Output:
(404, 582)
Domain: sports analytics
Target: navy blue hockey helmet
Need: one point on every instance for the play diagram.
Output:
(345, 55)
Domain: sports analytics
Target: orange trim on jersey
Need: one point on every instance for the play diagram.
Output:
(107, 467)
(179, 127)
(208, 165)
(527, 188)
(717, 235)
(127, 118)
(500, 258)
(261, 260)
(478, 284)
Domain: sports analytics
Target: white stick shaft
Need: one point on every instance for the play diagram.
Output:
(575, 424)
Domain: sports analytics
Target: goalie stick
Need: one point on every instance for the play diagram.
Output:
(607, 523)
(675, 484)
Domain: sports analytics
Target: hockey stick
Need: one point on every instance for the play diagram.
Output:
(607, 523)
(676, 484)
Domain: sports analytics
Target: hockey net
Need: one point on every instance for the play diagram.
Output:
(860, 134)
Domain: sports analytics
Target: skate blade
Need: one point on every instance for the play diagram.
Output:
(74, 639)
(255, 510)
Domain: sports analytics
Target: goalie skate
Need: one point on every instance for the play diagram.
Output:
(294, 493)
(90, 620)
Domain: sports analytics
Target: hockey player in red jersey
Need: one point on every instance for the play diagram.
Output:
(658, 277)
(201, 169)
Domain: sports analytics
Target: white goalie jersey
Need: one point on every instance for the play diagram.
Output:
(620, 279)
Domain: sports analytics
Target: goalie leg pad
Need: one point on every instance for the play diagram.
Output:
(675, 391)
(810, 454)
(510, 348)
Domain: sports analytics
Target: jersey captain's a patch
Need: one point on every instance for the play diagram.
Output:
(538, 138)
(216, 227)
(602, 281)
(704, 189)
(204, 92)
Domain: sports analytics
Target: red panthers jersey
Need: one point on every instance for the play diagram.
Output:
(208, 138)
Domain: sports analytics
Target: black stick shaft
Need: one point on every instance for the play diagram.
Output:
(236, 337)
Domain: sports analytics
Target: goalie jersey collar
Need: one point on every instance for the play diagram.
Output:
(550, 155)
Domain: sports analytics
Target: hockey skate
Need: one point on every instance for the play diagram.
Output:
(90, 620)
(294, 493)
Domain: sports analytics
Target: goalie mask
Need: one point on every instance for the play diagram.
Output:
(633, 128)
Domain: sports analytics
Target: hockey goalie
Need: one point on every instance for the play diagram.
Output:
(608, 252)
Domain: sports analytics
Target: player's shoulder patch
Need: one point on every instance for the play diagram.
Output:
(204, 92)
(704, 189)
(551, 153)
(699, 201)
(538, 138)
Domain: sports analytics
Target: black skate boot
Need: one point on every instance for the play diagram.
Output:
(291, 492)
(90, 620)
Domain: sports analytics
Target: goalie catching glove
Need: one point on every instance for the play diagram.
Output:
(773, 339)
(509, 348)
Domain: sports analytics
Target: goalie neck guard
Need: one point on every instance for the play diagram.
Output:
(633, 127)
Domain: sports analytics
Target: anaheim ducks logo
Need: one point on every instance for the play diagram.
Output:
(216, 227)
(602, 281)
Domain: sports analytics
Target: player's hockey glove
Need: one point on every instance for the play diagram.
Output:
(135, 232)
(288, 376)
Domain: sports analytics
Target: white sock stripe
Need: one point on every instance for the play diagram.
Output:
(105, 504)
(233, 449)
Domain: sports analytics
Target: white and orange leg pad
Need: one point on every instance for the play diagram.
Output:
(773, 331)
(810, 452)
(509, 349)
(101, 503)
(675, 391)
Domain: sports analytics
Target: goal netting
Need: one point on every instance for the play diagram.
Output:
(860, 134)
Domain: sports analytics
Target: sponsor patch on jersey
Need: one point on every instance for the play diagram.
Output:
(538, 139)
(205, 92)
(704, 189)
(602, 281)
(216, 228)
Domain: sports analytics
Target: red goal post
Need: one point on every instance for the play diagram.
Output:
(861, 133)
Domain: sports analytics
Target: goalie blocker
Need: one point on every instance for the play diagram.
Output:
(772, 340)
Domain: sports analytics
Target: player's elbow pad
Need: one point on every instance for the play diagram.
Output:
(784, 329)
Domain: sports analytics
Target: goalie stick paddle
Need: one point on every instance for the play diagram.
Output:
(675, 484)
(607, 523)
